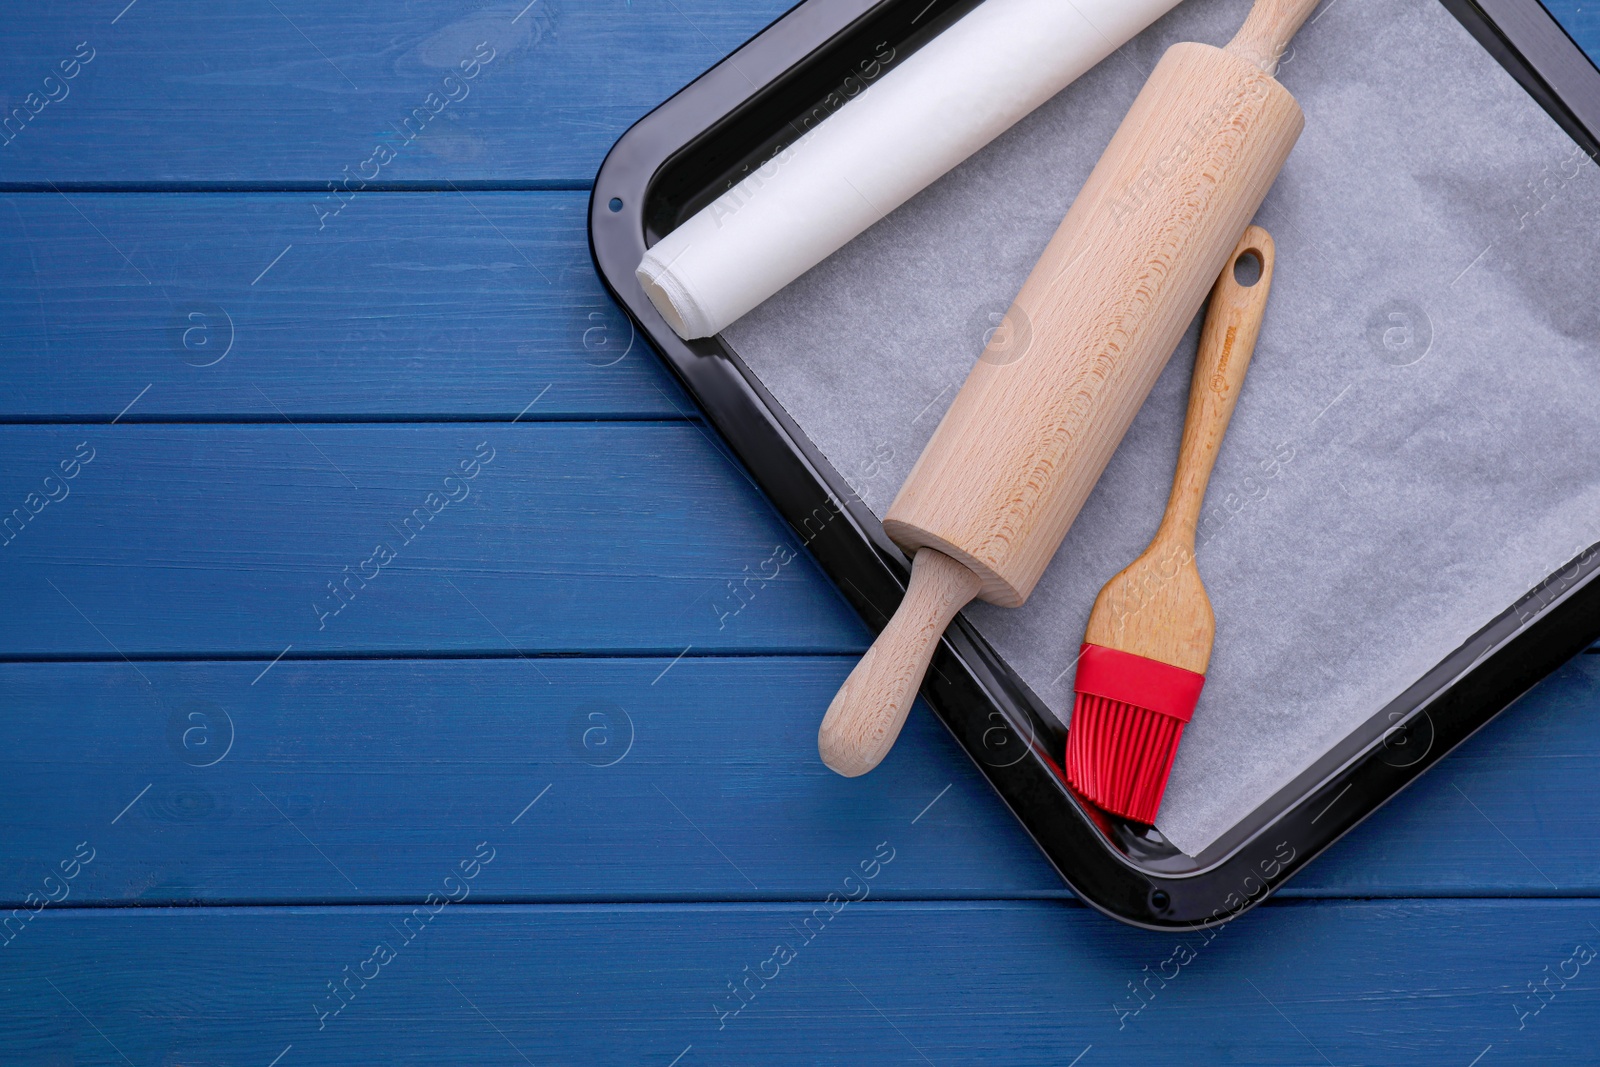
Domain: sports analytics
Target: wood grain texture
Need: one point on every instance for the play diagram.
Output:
(385, 764)
(297, 91)
(866, 715)
(205, 540)
(449, 305)
(1156, 607)
(1419, 983)
(397, 768)
(1033, 427)
(1266, 32)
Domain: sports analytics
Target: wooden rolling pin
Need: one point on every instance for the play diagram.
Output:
(1013, 460)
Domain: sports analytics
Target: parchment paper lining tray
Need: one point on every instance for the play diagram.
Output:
(1412, 450)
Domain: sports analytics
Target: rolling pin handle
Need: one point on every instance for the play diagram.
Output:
(1265, 35)
(869, 710)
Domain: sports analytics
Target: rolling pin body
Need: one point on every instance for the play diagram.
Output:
(1025, 440)
(1036, 422)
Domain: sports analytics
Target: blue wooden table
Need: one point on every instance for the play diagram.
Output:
(369, 691)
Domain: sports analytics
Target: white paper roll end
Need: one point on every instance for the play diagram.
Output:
(676, 304)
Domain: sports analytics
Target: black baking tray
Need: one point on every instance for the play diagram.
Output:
(748, 108)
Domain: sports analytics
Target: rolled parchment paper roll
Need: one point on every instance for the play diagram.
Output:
(942, 104)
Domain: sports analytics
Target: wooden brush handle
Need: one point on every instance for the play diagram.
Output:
(866, 715)
(1266, 32)
(1227, 341)
(1156, 606)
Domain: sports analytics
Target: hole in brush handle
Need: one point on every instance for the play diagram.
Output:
(1247, 268)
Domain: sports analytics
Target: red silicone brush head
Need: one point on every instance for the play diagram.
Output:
(1126, 724)
(1119, 755)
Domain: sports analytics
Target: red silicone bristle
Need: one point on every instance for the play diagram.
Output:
(1119, 755)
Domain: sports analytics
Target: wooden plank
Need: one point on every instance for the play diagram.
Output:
(239, 306)
(1419, 983)
(1581, 21)
(699, 775)
(246, 540)
(296, 91)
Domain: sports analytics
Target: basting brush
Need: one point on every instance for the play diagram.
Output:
(1149, 637)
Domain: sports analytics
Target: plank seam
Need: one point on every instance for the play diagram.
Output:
(757, 903)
